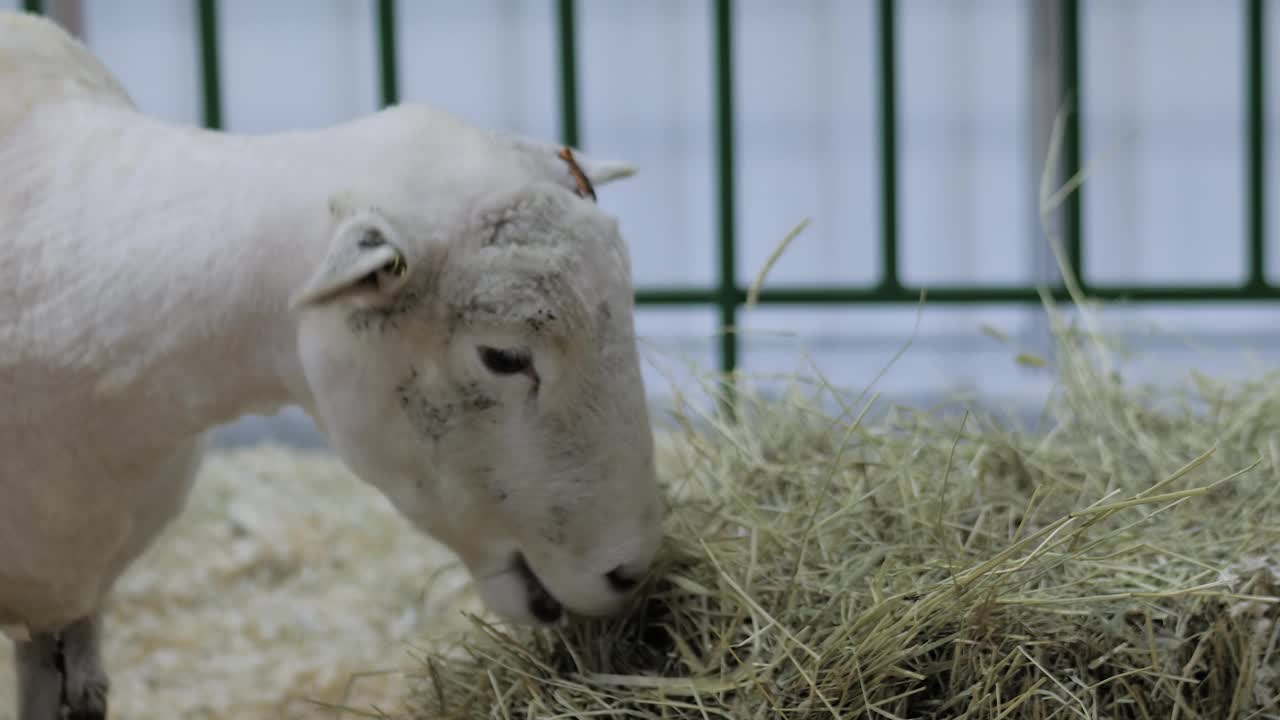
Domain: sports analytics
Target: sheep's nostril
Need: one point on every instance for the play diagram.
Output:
(620, 581)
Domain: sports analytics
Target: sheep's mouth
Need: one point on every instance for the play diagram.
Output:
(542, 604)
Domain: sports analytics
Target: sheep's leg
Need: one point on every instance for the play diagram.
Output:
(39, 678)
(57, 670)
(85, 682)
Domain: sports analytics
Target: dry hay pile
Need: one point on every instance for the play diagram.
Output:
(1122, 563)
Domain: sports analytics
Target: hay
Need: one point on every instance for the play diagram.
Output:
(1119, 562)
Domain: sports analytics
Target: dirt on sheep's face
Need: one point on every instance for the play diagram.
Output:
(285, 576)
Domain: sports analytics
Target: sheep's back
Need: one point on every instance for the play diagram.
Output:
(41, 63)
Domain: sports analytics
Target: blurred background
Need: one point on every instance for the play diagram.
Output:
(911, 132)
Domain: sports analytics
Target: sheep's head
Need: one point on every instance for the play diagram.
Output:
(473, 355)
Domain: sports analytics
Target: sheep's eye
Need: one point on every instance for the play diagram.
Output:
(506, 362)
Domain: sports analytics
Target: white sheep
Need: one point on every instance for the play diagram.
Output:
(448, 303)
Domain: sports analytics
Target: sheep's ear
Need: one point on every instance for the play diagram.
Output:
(551, 158)
(364, 263)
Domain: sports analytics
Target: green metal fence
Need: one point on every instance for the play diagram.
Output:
(728, 296)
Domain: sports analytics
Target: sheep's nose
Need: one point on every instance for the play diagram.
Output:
(621, 579)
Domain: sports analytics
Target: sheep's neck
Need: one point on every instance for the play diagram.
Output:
(213, 233)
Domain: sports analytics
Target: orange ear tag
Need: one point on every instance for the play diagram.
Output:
(584, 185)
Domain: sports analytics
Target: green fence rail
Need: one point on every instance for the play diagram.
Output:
(728, 296)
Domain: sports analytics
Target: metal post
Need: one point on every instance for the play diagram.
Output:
(388, 64)
(69, 14)
(1047, 95)
(727, 296)
(1071, 141)
(211, 83)
(1256, 137)
(890, 280)
(568, 39)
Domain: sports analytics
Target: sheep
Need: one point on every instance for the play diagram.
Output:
(447, 302)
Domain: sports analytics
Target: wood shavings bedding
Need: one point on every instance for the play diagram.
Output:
(285, 576)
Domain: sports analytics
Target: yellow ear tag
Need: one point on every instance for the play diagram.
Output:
(397, 266)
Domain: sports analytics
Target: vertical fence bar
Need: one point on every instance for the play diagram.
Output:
(727, 294)
(33, 6)
(886, 21)
(1256, 149)
(568, 38)
(388, 63)
(210, 75)
(1072, 229)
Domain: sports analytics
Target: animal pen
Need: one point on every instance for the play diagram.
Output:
(1121, 559)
